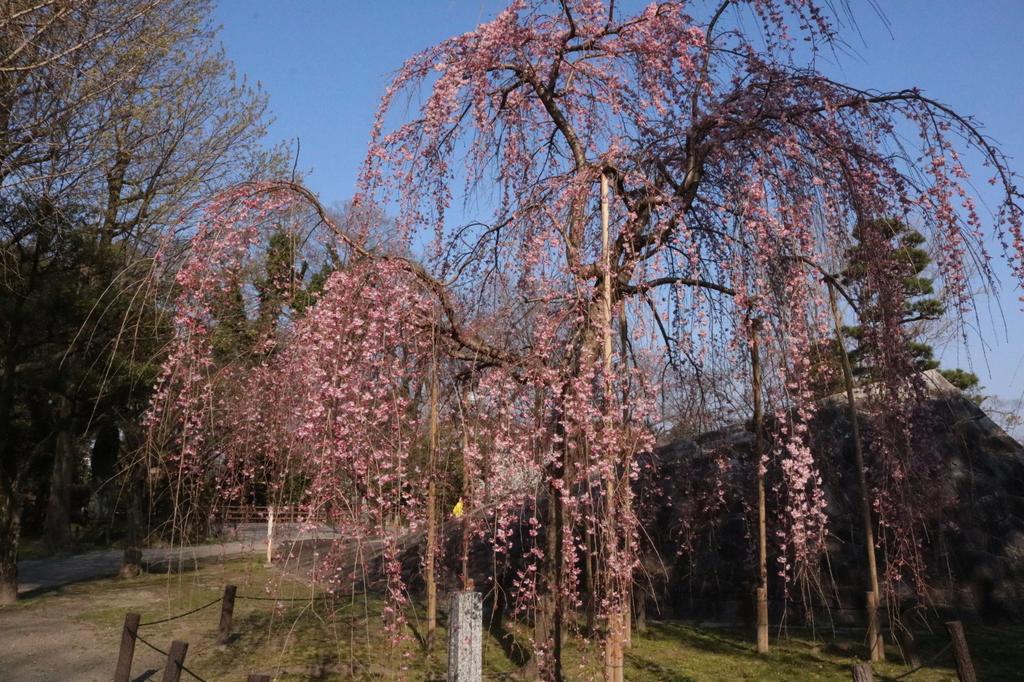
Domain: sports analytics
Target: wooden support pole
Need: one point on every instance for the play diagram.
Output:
(465, 637)
(762, 510)
(175, 661)
(227, 610)
(862, 672)
(618, 617)
(762, 620)
(123, 672)
(875, 641)
(876, 645)
(430, 555)
(961, 654)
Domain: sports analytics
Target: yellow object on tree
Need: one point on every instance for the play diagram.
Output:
(457, 509)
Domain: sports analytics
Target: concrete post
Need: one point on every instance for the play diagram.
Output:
(270, 535)
(465, 637)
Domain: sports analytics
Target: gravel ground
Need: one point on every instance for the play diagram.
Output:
(47, 636)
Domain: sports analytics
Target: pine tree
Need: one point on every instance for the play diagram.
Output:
(920, 301)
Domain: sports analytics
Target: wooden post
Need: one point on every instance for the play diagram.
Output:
(961, 654)
(862, 673)
(270, 535)
(123, 673)
(465, 637)
(618, 617)
(175, 660)
(227, 609)
(762, 513)
(875, 641)
(762, 620)
(254, 677)
(876, 645)
(467, 491)
(430, 555)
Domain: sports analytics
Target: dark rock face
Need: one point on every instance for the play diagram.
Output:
(697, 504)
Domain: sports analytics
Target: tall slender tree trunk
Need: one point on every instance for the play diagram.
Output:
(10, 507)
(876, 643)
(57, 525)
(134, 486)
(10, 521)
(762, 512)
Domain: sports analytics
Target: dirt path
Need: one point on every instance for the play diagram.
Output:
(46, 645)
(67, 622)
(72, 632)
(39, 575)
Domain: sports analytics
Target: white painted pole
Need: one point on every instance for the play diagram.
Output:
(270, 535)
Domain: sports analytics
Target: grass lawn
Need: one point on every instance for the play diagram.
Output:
(303, 639)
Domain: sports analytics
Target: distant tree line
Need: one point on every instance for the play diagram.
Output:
(117, 117)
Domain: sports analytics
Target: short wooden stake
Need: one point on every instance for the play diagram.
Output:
(227, 608)
(762, 620)
(961, 654)
(862, 673)
(175, 661)
(123, 673)
(465, 637)
(876, 644)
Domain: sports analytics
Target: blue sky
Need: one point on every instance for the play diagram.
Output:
(326, 63)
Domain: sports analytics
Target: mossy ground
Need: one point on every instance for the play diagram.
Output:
(306, 639)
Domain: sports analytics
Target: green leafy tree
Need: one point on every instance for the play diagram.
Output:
(116, 119)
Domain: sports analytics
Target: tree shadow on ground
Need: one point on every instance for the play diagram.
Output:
(517, 654)
(663, 673)
(791, 654)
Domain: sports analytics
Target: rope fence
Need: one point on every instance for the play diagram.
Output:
(175, 656)
(931, 659)
(171, 656)
(181, 615)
